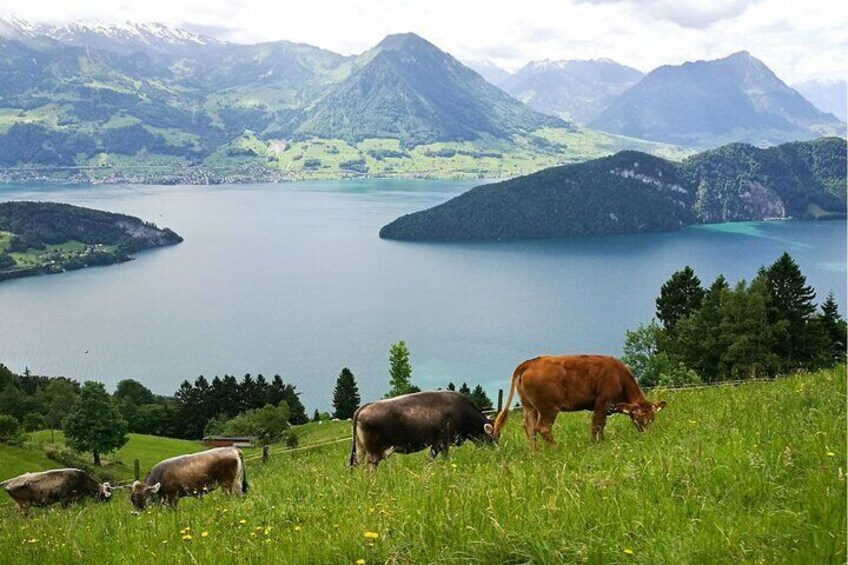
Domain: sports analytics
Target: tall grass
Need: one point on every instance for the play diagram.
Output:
(751, 474)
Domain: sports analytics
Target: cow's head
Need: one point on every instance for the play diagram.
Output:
(489, 433)
(105, 492)
(142, 494)
(642, 413)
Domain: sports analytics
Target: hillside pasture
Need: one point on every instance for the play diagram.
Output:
(750, 474)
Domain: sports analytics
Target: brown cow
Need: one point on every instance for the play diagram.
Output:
(191, 475)
(566, 383)
(57, 485)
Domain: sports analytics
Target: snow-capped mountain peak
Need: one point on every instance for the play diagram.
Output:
(108, 35)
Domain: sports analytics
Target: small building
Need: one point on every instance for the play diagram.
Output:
(227, 441)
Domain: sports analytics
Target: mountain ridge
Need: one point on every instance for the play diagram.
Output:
(701, 103)
(633, 192)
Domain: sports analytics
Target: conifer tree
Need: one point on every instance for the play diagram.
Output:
(345, 396)
(400, 371)
(790, 309)
(480, 399)
(832, 333)
(679, 297)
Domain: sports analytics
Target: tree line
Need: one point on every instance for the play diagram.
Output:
(759, 329)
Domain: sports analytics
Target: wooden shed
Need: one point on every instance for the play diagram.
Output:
(227, 441)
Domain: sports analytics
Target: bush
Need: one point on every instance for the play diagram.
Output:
(10, 430)
(34, 422)
(291, 440)
(266, 424)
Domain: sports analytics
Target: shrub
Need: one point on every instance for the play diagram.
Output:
(10, 430)
(34, 422)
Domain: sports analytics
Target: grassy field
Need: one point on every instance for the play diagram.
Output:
(149, 450)
(747, 474)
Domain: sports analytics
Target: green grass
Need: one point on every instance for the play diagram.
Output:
(15, 461)
(149, 450)
(748, 474)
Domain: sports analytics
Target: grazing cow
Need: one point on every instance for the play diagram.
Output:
(551, 384)
(412, 422)
(191, 475)
(58, 485)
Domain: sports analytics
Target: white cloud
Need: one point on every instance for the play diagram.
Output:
(799, 39)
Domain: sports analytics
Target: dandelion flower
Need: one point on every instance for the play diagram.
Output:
(242, 521)
(360, 562)
(187, 537)
(628, 551)
(830, 454)
(372, 535)
(204, 534)
(297, 528)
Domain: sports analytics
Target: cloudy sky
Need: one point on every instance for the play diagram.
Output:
(798, 39)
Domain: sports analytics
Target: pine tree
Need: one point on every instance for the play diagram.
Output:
(748, 338)
(679, 297)
(316, 417)
(465, 391)
(346, 396)
(831, 329)
(400, 371)
(699, 343)
(480, 399)
(94, 424)
(790, 309)
(451, 386)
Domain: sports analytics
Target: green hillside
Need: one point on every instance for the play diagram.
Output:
(751, 474)
(49, 237)
(633, 192)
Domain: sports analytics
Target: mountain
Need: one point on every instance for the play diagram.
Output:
(575, 90)
(827, 95)
(633, 192)
(706, 103)
(408, 89)
(489, 71)
(150, 103)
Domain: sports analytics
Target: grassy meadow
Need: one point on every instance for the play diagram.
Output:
(747, 474)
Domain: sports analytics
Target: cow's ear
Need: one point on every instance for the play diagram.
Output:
(624, 408)
(488, 428)
(155, 488)
(659, 405)
(135, 484)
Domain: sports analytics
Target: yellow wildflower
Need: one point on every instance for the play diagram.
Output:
(297, 528)
(628, 551)
(360, 562)
(830, 454)
(242, 521)
(204, 534)
(187, 537)
(372, 535)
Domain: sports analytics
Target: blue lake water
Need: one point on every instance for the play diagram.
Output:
(292, 279)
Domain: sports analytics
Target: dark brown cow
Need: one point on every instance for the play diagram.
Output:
(191, 475)
(58, 485)
(566, 383)
(413, 422)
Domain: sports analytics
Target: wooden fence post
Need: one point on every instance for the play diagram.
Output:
(500, 400)
(265, 452)
(136, 469)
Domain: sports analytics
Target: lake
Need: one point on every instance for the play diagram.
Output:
(292, 279)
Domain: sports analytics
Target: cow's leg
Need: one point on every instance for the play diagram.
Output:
(545, 422)
(599, 421)
(530, 419)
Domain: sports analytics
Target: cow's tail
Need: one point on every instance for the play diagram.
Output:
(244, 485)
(353, 460)
(500, 421)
